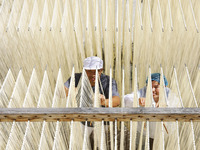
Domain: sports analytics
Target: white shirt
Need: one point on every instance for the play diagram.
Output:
(172, 101)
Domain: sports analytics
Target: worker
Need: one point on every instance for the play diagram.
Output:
(172, 101)
(90, 65)
(155, 78)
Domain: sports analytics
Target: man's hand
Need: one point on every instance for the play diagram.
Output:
(103, 100)
(142, 101)
(67, 91)
(157, 104)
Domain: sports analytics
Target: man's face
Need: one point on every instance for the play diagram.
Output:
(91, 75)
(155, 90)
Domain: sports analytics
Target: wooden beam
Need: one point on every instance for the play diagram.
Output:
(97, 114)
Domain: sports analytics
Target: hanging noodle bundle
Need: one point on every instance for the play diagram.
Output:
(44, 42)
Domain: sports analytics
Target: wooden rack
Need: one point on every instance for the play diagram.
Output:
(98, 114)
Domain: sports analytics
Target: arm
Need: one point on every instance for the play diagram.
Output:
(66, 90)
(142, 102)
(115, 96)
(67, 83)
(104, 102)
(66, 86)
(115, 101)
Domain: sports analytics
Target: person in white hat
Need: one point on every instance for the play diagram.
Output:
(90, 65)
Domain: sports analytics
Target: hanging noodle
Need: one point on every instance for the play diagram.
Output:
(130, 36)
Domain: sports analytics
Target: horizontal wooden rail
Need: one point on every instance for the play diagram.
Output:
(97, 114)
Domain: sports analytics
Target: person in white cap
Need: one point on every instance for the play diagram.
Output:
(90, 65)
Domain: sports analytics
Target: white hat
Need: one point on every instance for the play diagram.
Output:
(92, 63)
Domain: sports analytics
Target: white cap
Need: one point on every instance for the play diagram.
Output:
(92, 63)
